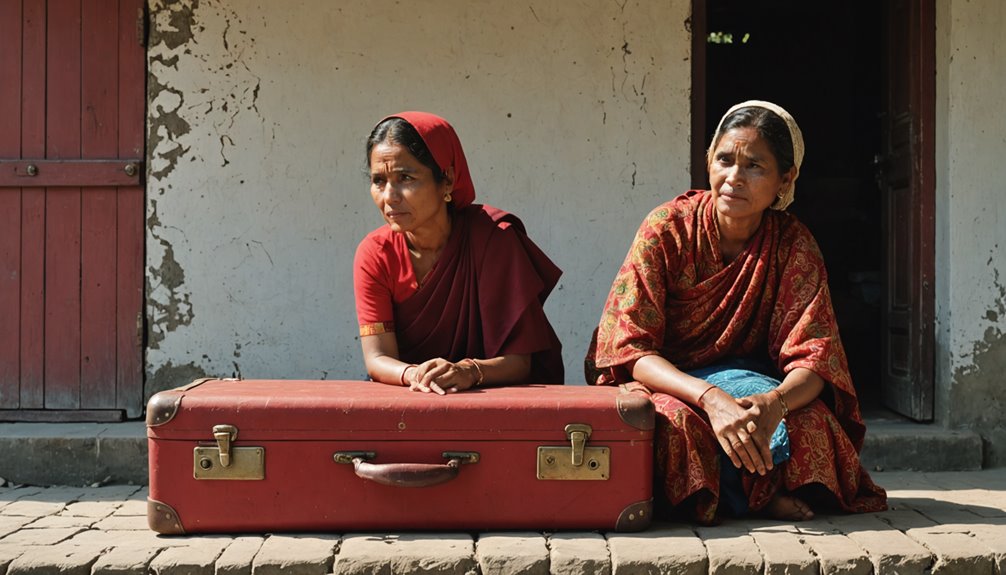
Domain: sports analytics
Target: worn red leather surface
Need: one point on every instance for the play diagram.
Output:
(302, 424)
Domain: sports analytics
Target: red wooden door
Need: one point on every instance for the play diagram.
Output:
(72, 83)
(908, 181)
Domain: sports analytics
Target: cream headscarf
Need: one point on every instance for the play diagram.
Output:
(785, 197)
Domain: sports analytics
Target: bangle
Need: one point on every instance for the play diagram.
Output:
(407, 368)
(782, 401)
(478, 368)
(698, 401)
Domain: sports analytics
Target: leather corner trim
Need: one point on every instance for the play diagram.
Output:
(636, 410)
(635, 517)
(163, 519)
(163, 406)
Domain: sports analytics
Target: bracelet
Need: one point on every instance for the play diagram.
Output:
(407, 368)
(478, 368)
(782, 401)
(698, 401)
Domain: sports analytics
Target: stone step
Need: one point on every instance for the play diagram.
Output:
(89, 453)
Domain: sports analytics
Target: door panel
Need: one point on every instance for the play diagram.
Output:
(908, 182)
(71, 214)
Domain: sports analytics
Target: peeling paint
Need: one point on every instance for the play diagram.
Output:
(170, 376)
(980, 397)
(168, 306)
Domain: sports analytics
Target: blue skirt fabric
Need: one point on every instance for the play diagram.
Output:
(739, 379)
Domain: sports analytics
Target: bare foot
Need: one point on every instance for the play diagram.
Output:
(788, 508)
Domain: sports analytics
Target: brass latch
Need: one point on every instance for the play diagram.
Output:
(224, 435)
(575, 461)
(578, 434)
(225, 461)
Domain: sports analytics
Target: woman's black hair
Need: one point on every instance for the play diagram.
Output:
(398, 131)
(769, 126)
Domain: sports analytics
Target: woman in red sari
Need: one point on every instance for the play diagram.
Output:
(724, 286)
(449, 294)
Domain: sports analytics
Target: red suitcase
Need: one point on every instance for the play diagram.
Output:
(266, 456)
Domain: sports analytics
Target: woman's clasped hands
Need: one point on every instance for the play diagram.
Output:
(442, 377)
(743, 427)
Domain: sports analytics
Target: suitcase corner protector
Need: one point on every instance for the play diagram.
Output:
(163, 519)
(636, 410)
(635, 517)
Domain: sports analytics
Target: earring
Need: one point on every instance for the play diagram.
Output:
(448, 197)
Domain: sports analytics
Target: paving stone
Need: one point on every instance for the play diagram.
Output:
(40, 536)
(32, 508)
(296, 555)
(512, 554)
(10, 524)
(993, 537)
(237, 558)
(956, 553)
(59, 521)
(836, 553)
(197, 558)
(132, 507)
(9, 553)
(111, 493)
(731, 550)
(783, 553)
(96, 509)
(905, 519)
(125, 560)
(10, 495)
(427, 554)
(64, 559)
(890, 550)
(128, 539)
(123, 523)
(579, 553)
(665, 550)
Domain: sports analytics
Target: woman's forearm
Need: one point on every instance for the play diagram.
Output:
(800, 387)
(660, 375)
(505, 369)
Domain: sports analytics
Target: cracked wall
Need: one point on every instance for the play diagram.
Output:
(574, 115)
(971, 226)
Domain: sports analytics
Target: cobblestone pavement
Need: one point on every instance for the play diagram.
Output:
(952, 522)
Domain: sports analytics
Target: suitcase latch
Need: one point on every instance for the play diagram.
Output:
(576, 461)
(225, 434)
(225, 461)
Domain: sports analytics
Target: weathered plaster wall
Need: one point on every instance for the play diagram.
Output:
(971, 252)
(574, 115)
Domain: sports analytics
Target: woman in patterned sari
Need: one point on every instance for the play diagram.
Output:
(721, 311)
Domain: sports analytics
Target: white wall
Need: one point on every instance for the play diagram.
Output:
(971, 224)
(574, 115)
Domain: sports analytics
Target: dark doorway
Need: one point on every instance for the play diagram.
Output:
(824, 63)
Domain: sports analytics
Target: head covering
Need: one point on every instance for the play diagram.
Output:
(445, 146)
(785, 198)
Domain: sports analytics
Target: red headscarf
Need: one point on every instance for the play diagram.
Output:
(445, 146)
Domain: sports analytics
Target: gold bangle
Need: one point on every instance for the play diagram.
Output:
(478, 368)
(698, 402)
(402, 379)
(782, 401)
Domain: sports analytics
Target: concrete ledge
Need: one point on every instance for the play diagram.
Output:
(900, 445)
(73, 453)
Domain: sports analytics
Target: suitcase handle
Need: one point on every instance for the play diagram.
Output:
(408, 474)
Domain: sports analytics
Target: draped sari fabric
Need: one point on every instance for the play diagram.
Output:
(482, 299)
(673, 296)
